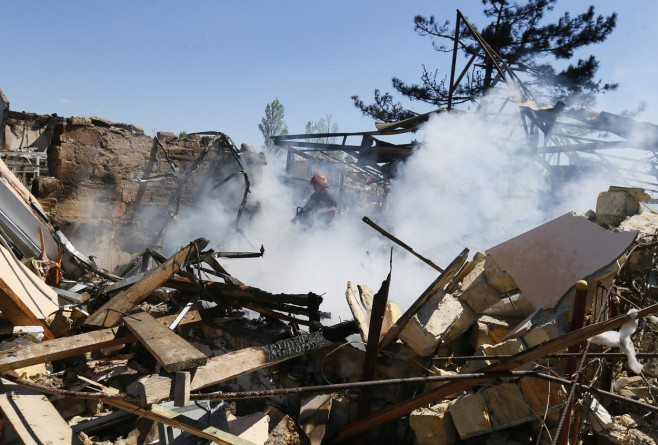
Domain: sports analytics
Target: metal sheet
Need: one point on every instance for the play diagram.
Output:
(546, 261)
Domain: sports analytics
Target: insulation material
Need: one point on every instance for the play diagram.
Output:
(622, 340)
(546, 262)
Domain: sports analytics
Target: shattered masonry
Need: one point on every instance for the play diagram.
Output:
(478, 358)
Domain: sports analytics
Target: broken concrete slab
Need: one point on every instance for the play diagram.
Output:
(547, 261)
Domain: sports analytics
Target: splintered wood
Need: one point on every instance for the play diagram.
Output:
(112, 311)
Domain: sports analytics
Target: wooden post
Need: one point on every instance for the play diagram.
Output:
(372, 347)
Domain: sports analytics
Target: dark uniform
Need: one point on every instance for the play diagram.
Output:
(321, 207)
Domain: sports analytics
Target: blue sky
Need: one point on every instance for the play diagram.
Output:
(214, 65)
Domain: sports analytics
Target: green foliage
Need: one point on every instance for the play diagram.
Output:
(517, 32)
(182, 135)
(324, 125)
(273, 124)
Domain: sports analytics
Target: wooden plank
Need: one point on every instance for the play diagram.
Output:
(169, 417)
(33, 417)
(25, 300)
(64, 347)
(438, 284)
(507, 364)
(372, 347)
(153, 389)
(169, 349)
(182, 388)
(111, 312)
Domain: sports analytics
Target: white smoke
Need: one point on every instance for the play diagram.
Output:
(470, 183)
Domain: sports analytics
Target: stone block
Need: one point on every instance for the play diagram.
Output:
(539, 334)
(508, 347)
(391, 315)
(470, 415)
(489, 330)
(442, 318)
(478, 258)
(476, 291)
(543, 396)
(506, 405)
(435, 371)
(497, 277)
(613, 207)
(512, 306)
(433, 426)
(165, 135)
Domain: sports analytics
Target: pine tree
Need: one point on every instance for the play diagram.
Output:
(517, 32)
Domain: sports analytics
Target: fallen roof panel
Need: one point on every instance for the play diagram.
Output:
(546, 261)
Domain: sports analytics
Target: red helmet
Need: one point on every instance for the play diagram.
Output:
(320, 180)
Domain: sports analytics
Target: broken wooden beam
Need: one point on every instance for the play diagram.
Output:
(520, 359)
(270, 313)
(64, 347)
(372, 347)
(112, 311)
(243, 293)
(438, 284)
(153, 389)
(168, 348)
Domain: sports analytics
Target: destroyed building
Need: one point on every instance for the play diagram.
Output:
(494, 351)
(548, 337)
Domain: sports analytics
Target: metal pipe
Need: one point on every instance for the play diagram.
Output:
(400, 243)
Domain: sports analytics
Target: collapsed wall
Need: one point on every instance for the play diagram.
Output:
(93, 181)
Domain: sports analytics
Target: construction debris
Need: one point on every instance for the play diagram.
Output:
(509, 346)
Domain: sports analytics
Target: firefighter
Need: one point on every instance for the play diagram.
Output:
(320, 207)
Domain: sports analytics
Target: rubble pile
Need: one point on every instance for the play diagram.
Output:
(548, 337)
(494, 351)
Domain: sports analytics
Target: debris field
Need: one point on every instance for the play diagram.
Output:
(549, 337)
